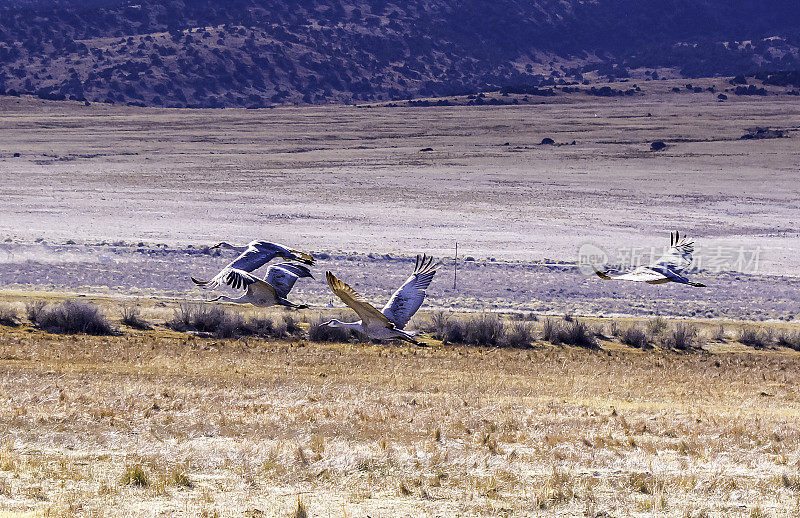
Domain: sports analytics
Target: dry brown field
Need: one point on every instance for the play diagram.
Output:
(159, 423)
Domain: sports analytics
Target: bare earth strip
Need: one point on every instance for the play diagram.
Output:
(354, 179)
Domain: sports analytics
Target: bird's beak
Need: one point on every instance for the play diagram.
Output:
(303, 257)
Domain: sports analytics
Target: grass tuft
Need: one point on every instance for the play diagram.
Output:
(682, 337)
(317, 332)
(790, 339)
(131, 317)
(135, 476)
(216, 321)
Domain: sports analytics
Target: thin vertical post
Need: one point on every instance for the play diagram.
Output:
(455, 267)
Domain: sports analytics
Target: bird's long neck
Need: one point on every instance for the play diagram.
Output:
(228, 246)
(355, 326)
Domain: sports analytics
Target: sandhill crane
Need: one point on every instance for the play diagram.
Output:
(390, 321)
(266, 292)
(668, 268)
(253, 256)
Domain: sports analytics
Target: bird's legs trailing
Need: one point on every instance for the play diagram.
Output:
(408, 337)
(284, 302)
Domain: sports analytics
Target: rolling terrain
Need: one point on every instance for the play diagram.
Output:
(259, 53)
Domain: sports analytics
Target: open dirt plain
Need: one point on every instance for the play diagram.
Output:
(353, 183)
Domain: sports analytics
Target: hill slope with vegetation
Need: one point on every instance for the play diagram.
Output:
(255, 53)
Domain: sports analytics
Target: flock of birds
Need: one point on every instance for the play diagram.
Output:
(389, 322)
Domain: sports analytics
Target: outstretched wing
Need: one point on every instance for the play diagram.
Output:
(639, 274)
(364, 309)
(408, 298)
(253, 258)
(677, 259)
(283, 276)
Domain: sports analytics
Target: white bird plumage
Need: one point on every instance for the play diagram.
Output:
(269, 291)
(253, 256)
(389, 322)
(668, 268)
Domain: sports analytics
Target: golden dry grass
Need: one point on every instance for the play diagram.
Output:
(159, 422)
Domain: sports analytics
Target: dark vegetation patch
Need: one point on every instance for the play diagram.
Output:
(569, 332)
(69, 317)
(220, 323)
(682, 337)
(752, 336)
(318, 332)
(635, 336)
(8, 316)
(760, 133)
(132, 317)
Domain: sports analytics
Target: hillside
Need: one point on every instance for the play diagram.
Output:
(256, 53)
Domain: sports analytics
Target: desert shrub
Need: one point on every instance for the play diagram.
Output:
(71, 317)
(221, 323)
(34, 310)
(614, 329)
(790, 339)
(681, 337)
(720, 334)
(573, 332)
(317, 332)
(8, 316)
(656, 326)
(635, 336)
(485, 329)
(443, 326)
(201, 318)
(519, 334)
(751, 336)
(132, 317)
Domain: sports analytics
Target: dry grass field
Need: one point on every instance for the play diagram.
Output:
(159, 423)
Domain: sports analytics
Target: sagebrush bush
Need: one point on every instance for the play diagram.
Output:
(485, 329)
(8, 316)
(656, 326)
(70, 317)
(635, 336)
(569, 332)
(682, 337)
(790, 339)
(132, 317)
(203, 318)
(34, 309)
(519, 334)
(751, 336)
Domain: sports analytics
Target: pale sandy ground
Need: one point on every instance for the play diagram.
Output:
(351, 430)
(354, 179)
